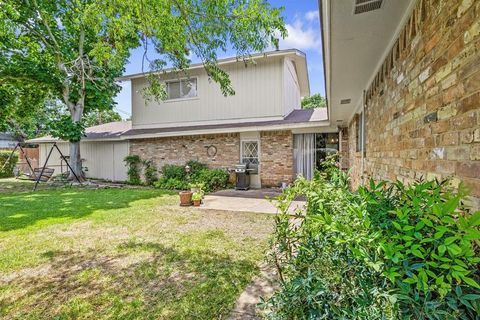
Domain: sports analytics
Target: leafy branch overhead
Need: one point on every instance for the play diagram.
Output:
(73, 50)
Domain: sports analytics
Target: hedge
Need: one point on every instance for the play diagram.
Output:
(8, 170)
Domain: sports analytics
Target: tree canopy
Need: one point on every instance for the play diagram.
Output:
(314, 101)
(73, 50)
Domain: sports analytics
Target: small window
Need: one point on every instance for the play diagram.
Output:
(360, 132)
(250, 152)
(182, 89)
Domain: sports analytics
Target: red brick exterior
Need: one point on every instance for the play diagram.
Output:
(276, 153)
(276, 157)
(423, 117)
(179, 150)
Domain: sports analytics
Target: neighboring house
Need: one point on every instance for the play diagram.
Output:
(7, 141)
(262, 124)
(403, 85)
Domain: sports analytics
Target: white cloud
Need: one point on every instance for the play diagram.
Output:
(312, 16)
(302, 36)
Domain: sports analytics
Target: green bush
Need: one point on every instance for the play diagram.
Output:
(429, 246)
(150, 172)
(388, 251)
(8, 170)
(175, 177)
(133, 162)
(213, 179)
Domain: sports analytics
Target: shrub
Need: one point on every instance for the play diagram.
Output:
(170, 171)
(175, 177)
(133, 163)
(388, 251)
(327, 260)
(429, 248)
(171, 184)
(8, 169)
(212, 179)
(150, 172)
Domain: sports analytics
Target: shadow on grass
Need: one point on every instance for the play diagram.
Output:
(144, 280)
(20, 210)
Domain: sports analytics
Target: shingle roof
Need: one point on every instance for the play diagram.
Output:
(107, 131)
(296, 116)
(123, 129)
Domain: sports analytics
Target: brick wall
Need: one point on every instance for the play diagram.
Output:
(276, 153)
(178, 150)
(276, 157)
(423, 117)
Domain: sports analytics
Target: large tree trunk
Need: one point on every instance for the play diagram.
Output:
(75, 157)
(75, 161)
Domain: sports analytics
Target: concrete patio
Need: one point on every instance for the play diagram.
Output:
(255, 200)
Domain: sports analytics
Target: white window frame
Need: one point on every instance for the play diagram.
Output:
(257, 141)
(179, 81)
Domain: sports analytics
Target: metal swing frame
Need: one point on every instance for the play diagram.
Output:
(46, 162)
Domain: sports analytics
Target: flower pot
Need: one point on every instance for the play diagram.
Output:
(185, 198)
(196, 203)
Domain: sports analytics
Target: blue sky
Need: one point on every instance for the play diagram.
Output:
(303, 25)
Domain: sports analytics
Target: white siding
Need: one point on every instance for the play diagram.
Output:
(259, 95)
(104, 160)
(292, 89)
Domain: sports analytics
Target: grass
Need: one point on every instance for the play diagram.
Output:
(121, 254)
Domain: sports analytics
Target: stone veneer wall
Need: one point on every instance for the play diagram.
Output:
(423, 117)
(276, 157)
(179, 150)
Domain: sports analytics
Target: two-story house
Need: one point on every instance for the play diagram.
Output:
(262, 124)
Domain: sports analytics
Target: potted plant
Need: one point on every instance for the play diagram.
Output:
(197, 198)
(185, 198)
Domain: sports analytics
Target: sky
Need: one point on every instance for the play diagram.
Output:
(303, 25)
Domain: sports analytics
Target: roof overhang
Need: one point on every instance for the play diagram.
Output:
(354, 47)
(297, 56)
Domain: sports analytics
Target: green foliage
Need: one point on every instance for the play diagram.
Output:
(213, 179)
(150, 172)
(388, 251)
(197, 196)
(175, 177)
(314, 101)
(64, 128)
(133, 162)
(430, 247)
(96, 117)
(8, 169)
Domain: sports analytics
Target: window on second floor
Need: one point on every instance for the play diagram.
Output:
(180, 89)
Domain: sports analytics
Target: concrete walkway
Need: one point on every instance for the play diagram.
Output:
(263, 285)
(247, 201)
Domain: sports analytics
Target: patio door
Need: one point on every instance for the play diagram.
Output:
(310, 150)
(304, 154)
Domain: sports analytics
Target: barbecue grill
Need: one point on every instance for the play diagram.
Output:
(243, 177)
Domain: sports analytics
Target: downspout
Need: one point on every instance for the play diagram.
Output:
(363, 139)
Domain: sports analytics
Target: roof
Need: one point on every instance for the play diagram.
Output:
(107, 131)
(123, 130)
(7, 136)
(298, 56)
(301, 118)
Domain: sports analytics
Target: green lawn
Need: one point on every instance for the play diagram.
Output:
(121, 254)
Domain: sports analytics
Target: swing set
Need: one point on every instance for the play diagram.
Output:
(45, 173)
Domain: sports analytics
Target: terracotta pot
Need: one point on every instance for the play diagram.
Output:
(196, 203)
(185, 198)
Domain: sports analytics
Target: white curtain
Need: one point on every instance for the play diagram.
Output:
(304, 154)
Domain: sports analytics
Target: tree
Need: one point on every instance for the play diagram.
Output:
(97, 117)
(76, 48)
(314, 101)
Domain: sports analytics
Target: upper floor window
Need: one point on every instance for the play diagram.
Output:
(180, 89)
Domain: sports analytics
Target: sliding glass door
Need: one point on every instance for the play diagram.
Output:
(310, 149)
